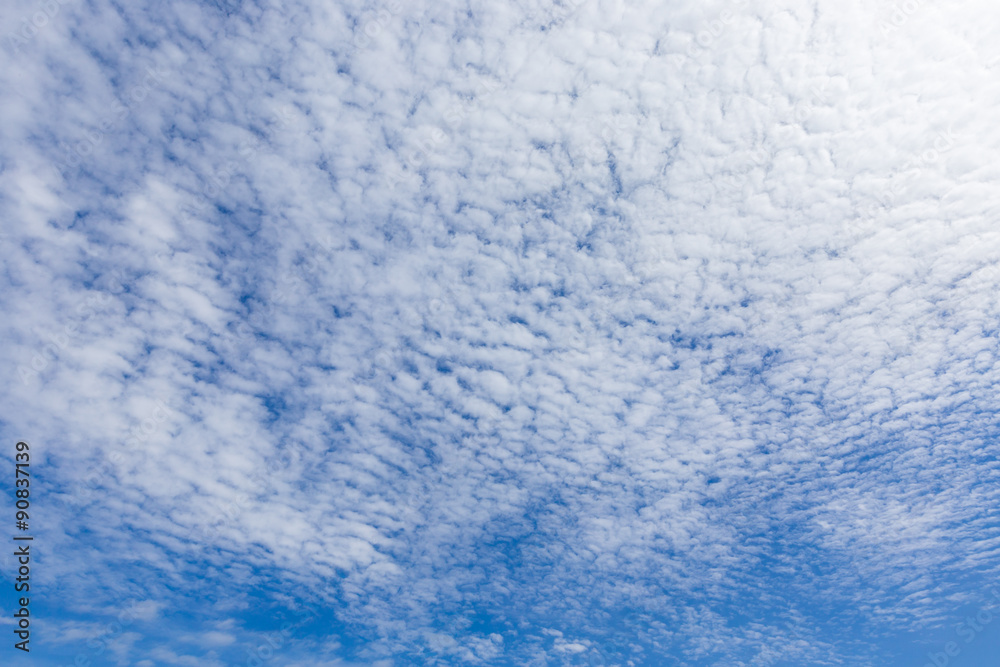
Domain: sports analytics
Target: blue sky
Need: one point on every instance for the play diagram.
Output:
(532, 333)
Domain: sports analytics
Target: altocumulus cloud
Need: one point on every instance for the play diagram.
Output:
(535, 333)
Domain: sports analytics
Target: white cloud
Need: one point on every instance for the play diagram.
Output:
(528, 312)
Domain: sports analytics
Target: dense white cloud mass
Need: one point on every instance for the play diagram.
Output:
(504, 333)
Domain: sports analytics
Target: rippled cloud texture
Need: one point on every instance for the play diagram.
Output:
(530, 333)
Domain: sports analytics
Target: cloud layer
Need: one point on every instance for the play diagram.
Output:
(531, 333)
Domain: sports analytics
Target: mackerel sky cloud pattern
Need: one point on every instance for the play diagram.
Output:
(535, 333)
